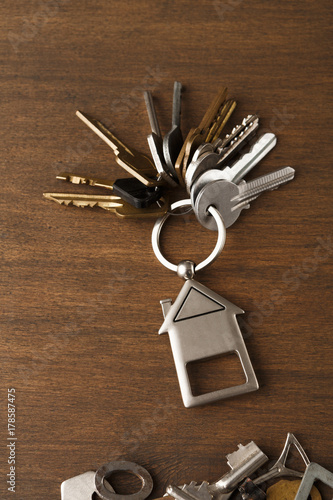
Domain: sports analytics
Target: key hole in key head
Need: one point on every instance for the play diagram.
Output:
(123, 482)
(208, 212)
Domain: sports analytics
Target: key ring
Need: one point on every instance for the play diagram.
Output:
(155, 237)
(106, 470)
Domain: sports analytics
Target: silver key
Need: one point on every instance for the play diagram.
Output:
(242, 166)
(245, 164)
(238, 138)
(230, 199)
(242, 462)
(207, 147)
(173, 140)
(232, 143)
(195, 492)
(191, 491)
(155, 142)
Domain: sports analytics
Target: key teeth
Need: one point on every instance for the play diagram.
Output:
(251, 190)
(239, 130)
(200, 492)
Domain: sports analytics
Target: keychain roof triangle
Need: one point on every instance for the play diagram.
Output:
(189, 305)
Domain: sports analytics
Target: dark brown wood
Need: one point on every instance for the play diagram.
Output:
(80, 288)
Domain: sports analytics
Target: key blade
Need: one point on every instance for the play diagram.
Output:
(249, 160)
(248, 122)
(249, 191)
(105, 134)
(221, 120)
(238, 138)
(201, 133)
(213, 109)
(108, 202)
(156, 149)
(176, 104)
(154, 125)
(137, 164)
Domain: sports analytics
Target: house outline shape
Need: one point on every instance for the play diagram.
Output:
(201, 324)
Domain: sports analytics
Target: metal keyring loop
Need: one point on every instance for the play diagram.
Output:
(155, 237)
(106, 470)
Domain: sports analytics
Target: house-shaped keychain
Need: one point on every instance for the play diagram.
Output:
(202, 324)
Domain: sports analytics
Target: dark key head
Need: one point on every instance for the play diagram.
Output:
(136, 193)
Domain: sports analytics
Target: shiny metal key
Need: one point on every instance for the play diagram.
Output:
(173, 141)
(249, 160)
(242, 462)
(230, 199)
(155, 142)
(239, 169)
(217, 155)
(111, 203)
(137, 164)
(232, 143)
(237, 139)
(206, 147)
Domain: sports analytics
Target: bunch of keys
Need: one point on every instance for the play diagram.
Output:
(201, 324)
(248, 460)
(243, 463)
(177, 162)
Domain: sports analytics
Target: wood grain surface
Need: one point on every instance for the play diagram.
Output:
(81, 288)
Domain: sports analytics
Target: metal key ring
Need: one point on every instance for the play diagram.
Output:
(106, 470)
(155, 237)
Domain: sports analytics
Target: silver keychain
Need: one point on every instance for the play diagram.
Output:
(201, 324)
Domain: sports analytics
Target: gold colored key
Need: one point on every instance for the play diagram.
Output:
(136, 163)
(214, 132)
(210, 126)
(112, 203)
(210, 134)
(286, 490)
(220, 122)
(205, 123)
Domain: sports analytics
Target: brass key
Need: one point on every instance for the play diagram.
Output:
(136, 163)
(221, 120)
(205, 123)
(213, 133)
(112, 203)
(130, 189)
(211, 126)
(209, 135)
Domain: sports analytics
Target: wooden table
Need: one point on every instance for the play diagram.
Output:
(81, 289)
